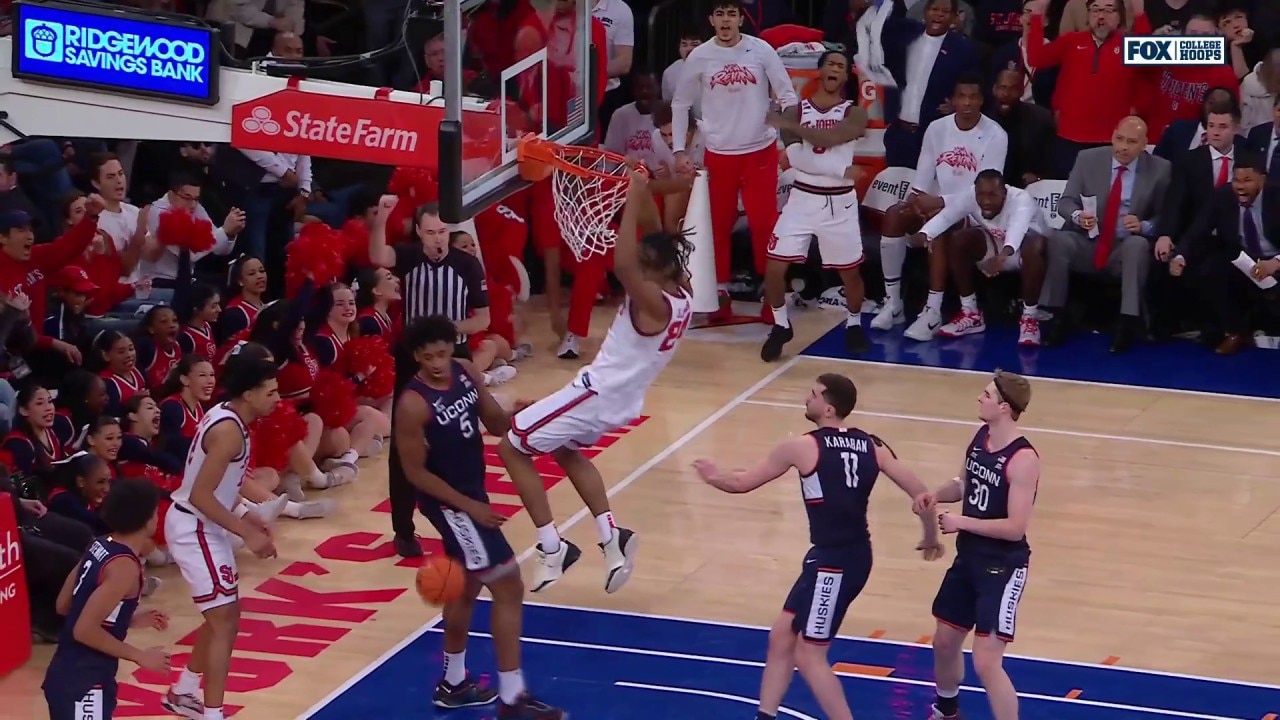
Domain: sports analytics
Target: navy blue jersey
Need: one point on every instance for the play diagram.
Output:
(986, 496)
(77, 664)
(836, 491)
(455, 446)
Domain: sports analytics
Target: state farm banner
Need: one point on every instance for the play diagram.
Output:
(372, 130)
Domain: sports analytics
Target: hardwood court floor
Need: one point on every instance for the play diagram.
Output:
(1153, 541)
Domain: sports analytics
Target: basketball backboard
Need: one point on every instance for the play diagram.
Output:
(534, 69)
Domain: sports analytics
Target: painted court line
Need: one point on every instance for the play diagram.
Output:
(636, 474)
(1046, 431)
(1067, 381)
(899, 643)
(707, 693)
(875, 678)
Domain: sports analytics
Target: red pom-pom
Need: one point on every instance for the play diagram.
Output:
(355, 234)
(333, 399)
(418, 185)
(273, 435)
(319, 252)
(370, 358)
(181, 229)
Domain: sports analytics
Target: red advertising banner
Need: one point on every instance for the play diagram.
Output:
(372, 130)
(15, 608)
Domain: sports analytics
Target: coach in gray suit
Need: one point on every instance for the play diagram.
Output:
(1128, 185)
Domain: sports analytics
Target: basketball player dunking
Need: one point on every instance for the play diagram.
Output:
(838, 467)
(823, 202)
(437, 427)
(606, 394)
(100, 603)
(201, 522)
(981, 590)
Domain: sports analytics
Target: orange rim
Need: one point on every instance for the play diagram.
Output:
(539, 156)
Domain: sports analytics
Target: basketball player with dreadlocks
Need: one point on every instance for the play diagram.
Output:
(608, 393)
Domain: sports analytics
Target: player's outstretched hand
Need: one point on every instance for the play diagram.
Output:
(948, 523)
(260, 543)
(150, 617)
(484, 514)
(923, 503)
(931, 551)
(155, 659)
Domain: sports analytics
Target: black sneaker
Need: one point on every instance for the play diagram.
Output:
(772, 349)
(467, 693)
(527, 708)
(407, 546)
(855, 340)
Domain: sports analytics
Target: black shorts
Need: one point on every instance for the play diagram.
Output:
(829, 581)
(982, 594)
(462, 351)
(97, 703)
(479, 548)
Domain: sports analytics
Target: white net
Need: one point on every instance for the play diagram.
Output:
(587, 203)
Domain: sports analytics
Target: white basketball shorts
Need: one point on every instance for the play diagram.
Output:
(832, 219)
(1011, 263)
(206, 557)
(572, 417)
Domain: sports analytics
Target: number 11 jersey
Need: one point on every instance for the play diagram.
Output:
(836, 491)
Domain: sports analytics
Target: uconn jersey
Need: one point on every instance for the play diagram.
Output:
(455, 454)
(982, 589)
(81, 681)
(835, 495)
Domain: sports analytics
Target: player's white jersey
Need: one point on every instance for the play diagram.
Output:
(1020, 214)
(228, 489)
(822, 167)
(629, 361)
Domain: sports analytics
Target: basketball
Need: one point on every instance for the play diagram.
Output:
(440, 580)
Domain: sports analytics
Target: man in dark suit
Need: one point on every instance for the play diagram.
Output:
(1233, 250)
(925, 60)
(1030, 128)
(1196, 175)
(1263, 140)
(1128, 185)
(1182, 136)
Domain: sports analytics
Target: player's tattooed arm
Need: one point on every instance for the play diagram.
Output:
(851, 128)
(496, 419)
(790, 117)
(777, 463)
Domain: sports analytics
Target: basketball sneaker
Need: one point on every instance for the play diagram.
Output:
(552, 565)
(188, 706)
(965, 322)
(467, 693)
(527, 708)
(855, 340)
(937, 714)
(778, 337)
(890, 314)
(619, 558)
(925, 325)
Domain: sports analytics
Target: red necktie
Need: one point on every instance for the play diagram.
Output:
(1102, 252)
(1222, 172)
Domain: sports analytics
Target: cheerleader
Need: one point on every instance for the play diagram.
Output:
(83, 483)
(82, 398)
(31, 448)
(376, 291)
(490, 351)
(116, 357)
(184, 396)
(156, 343)
(141, 452)
(198, 320)
(330, 327)
(103, 439)
(246, 284)
(299, 456)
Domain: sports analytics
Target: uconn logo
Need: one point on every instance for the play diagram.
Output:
(978, 471)
(447, 414)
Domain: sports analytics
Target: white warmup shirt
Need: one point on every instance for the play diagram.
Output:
(733, 85)
(951, 158)
(1009, 227)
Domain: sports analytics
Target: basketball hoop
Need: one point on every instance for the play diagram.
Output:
(589, 186)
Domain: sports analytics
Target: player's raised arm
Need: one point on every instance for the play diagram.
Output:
(914, 487)
(784, 456)
(852, 127)
(223, 443)
(1023, 473)
(646, 294)
(495, 418)
(117, 582)
(412, 415)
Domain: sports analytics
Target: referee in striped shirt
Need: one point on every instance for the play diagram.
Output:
(435, 279)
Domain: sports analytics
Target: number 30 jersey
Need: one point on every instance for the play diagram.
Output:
(986, 497)
(836, 490)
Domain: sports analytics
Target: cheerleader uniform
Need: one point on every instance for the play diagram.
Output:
(326, 346)
(238, 315)
(178, 424)
(122, 388)
(198, 340)
(156, 361)
(70, 505)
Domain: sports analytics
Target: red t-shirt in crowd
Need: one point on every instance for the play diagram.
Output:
(489, 35)
(29, 275)
(1166, 94)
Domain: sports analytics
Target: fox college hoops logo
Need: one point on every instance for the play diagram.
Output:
(732, 75)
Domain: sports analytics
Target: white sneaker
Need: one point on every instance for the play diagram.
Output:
(291, 485)
(965, 322)
(188, 706)
(312, 509)
(159, 558)
(926, 325)
(270, 510)
(150, 584)
(619, 559)
(568, 349)
(500, 375)
(552, 566)
(1029, 331)
(339, 473)
(890, 314)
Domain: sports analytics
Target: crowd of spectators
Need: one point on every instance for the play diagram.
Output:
(111, 333)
